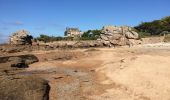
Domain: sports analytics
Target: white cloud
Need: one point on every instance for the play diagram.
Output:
(15, 23)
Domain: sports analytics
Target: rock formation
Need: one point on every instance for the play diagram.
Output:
(21, 37)
(124, 35)
(20, 87)
(21, 61)
(16, 85)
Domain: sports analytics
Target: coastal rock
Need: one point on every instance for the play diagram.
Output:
(113, 35)
(18, 61)
(21, 37)
(23, 88)
(132, 35)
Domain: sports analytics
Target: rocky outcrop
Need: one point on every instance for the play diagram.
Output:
(71, 44)
(21, 37)
(23, 88)
(113, 35)
(16, 84)
(15, 49)
(18, 61)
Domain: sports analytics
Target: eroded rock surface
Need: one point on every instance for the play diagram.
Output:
(124, 35)
(23, 88)
(18, 61)
(17, 86)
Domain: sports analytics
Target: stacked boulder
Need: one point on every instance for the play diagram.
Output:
(21, 37)
(124, 35)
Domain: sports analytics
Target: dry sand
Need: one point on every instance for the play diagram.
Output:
(137, 73)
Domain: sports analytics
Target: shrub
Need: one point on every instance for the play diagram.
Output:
(155, 27)
(91, 35)
(47, 38)
(143, 34)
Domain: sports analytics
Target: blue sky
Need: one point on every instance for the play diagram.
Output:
(51, 17)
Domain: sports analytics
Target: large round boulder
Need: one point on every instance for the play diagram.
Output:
(21, 37)
(114, 35)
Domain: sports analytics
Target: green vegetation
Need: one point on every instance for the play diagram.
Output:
(143, 34)
(47, 38)
(155, 27)
(91, 35)
(145, 29)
